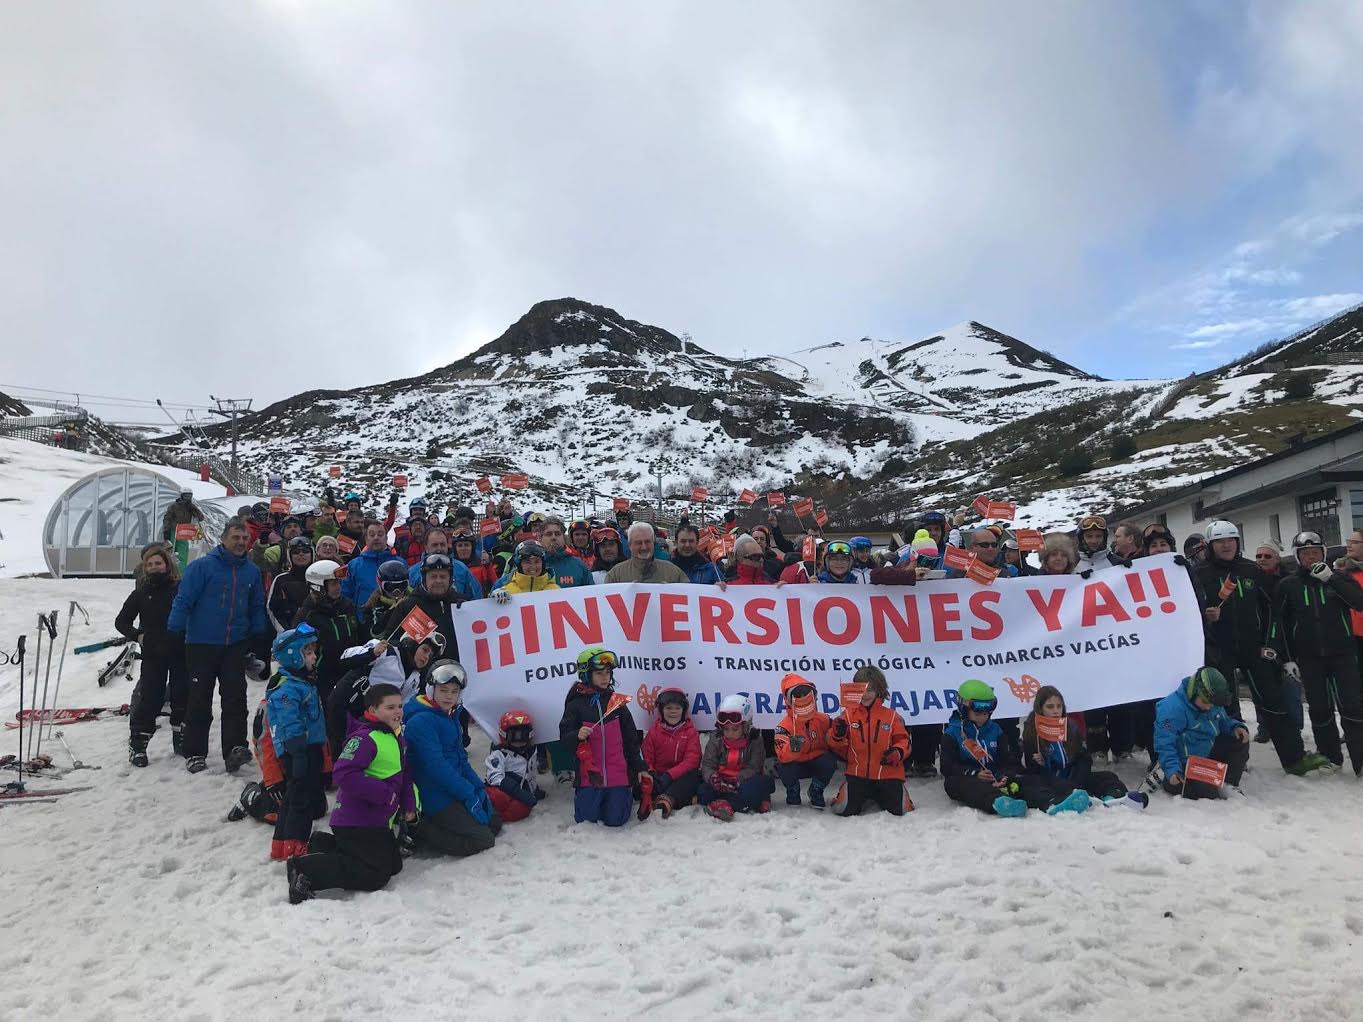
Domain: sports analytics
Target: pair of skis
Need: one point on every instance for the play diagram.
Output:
(25, 796)
(75, 715)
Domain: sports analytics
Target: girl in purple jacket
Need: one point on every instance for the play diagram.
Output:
(373, 791)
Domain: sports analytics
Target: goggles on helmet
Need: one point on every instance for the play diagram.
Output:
(982, 705)
(834, 549)
(729, 717)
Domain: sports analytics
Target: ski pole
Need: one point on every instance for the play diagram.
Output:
(37, 666)
(61, 664)
(49, 623)
(19, 784)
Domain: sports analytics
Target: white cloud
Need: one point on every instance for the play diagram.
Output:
(1198, 345)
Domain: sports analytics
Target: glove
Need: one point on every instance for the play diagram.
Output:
(892, 757)
(501, 596)
(840, 728)
(393, 498)
(1269, 653)
(723, 785)
(1292, 671)
(540, 794)
(796, 743)
(1321, 572)
(661, 781)
(1180, 560)
(1086, 573)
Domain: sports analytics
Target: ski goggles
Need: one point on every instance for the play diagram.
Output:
(437, 562)
(436, 641)
(300, 545)
(838, 549)
(446, 674)
(306, 631)
(726, 717)
(982, 705)
(462, 537)
(1092, 522)
(802, 691)
(602, 662)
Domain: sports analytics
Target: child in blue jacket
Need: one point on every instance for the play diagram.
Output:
(298, 733)
(1192, 721)
(457, 815)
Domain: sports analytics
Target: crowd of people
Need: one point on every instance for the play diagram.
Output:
(313, 602)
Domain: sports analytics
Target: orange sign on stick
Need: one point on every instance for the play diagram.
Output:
(850, 693)
(418, 624)
(1051, 729)
(803, 507)
(776, 499)
(748, 497)
(484, 484)
(280, 505)
(1208, 771)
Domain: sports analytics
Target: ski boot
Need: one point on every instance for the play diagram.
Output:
(720, 810)
(137, 750)
(764, 806)
(816, 794)
(300, 888)
(194, 764)
(177, 739)
(237, 758)
(793, 794)
(663, 803)
(645, 797)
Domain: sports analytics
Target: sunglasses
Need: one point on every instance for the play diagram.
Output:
(753, 557)
(801, 691)
(725, 717)
(987, 545)
(982, 705)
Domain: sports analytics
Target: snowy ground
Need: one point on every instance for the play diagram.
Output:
(134, 900)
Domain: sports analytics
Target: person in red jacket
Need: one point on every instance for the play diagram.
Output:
(802, 742)
(749, 564)
(872, 738)
(671, 755)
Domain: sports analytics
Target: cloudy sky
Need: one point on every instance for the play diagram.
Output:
(252, 199)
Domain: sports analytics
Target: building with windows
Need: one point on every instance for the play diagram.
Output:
(1314, 485)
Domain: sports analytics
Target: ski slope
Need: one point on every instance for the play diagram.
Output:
(134, 901)
(33, 477)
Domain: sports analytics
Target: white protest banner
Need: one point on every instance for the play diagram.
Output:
(1117, 637)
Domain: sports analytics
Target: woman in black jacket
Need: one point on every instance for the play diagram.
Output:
(143, 620)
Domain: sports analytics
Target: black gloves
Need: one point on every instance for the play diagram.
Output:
(892, 757)
(840, 728)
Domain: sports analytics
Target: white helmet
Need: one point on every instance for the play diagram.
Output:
(1222, 529)
(319, 572)
(1306, 539)
(737, 704)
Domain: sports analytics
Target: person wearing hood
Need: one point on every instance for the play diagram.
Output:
(671, 751)
(700, 570)
(381, 663)
(599, 725)
(373, 791)
(1059, 554)
(527, 573)
(1313, 604)
(1192, 721)
(298, 736)
(1246, 642)
(1091, 538)
(802, 750)
(606, 553)
(457, 814)
(837, 564)
(143, 619)
(182, 511)
(218, 610)
(643, 564)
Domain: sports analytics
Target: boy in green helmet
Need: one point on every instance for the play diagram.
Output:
(1192, 721)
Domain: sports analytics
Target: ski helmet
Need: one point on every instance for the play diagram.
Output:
(594, 658)
(527, 548)
(735, 709)
(319, 573)
(1305, 539)
(288, 648)
(258, 802)
(515, 728)
(436, 562)
(976, 695)
(393, 577)
(671, 697)
(416, 504)
(1222, 529)
(861, 543)
(300, 544)
(932, 518)
(260, 510)
(353, 498)
(1208, 684)
(444, 672)
(435, 640)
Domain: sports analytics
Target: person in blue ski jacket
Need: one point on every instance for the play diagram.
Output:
(1192, 721)
(837, 565)
(362, 571)
(219, 610)
(457, 815)
(298, 733)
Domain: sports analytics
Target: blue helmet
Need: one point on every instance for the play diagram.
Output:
(288, 648)
(932, 518)
(860, 543)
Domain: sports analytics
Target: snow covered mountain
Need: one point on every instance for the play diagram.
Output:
(585, 401)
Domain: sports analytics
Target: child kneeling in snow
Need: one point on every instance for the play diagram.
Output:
(374, 789)
(671, 756)
(871, 738)
(1062, 757)
(457, 816)
(597, 722)
(802, 743)
(511, 768)
(1192, 721)
(731, 768)
(298, 733)
(980, 771)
